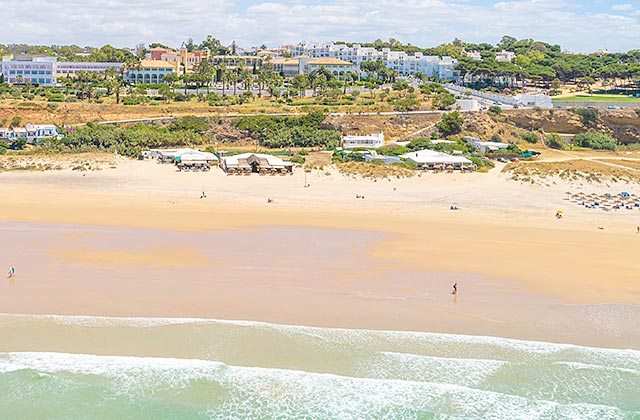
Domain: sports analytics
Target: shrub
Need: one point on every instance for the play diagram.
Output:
(392, 150)
(432, 88)
(554, 141)
(279, 132)
(15, 121)
(56, 97)
(450, 123)
(595, 140)
(52, 107)
(589, 116)
(443, 101)
(400, 85)
(531, 137)
(298, 159)
(495, 110)
(191, 123)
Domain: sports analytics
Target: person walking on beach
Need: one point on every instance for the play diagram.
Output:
(12, 272)
(455, 289)
(638, 230)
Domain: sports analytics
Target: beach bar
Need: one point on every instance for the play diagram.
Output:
(248, 163)
(436, 161)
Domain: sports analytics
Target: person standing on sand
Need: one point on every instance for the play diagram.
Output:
(455, 289)
(12, 272)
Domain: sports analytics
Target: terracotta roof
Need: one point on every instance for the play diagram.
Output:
(156, 64)
(329, 62)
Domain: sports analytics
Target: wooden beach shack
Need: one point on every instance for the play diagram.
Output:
(250, 163)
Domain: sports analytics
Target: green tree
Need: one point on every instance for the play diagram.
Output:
(450, 123)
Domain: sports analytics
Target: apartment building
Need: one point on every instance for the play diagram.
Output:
(33, 69)
(71, 68)
(304, 64)
(43, 70)
(403, 63)
(150, 72)
(183, 60)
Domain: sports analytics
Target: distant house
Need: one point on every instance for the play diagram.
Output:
(37, 132)
(248, 163)
(505, 56)
(485, 146)
(372, 141)
(474, 55)
(5, 133)
(432, 160)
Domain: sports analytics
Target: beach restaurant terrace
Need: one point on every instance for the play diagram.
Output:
(436, 161)
(248, 163)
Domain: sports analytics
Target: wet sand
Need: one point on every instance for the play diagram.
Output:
(289, 275)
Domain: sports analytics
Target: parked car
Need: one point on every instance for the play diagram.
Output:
(503, 159)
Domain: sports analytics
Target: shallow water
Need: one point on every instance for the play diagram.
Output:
(195, 368)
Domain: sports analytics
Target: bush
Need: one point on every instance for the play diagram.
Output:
(531, 137)
(392, 150)
(191, 123)
(406, 104)
(589, 116)
(495, 110)
(593, 140)
(127, 141)
(400, 86)
(15, 121)
(432, 88)
(131, 100)
(52, 107)
(443, 101)
(450, 123)
(56, 97)
(298, 159)
(280, 132)
(554, 141)
(18, 144)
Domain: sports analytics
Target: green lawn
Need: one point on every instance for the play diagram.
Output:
(597, 98)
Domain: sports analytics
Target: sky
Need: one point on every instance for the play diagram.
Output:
(579, 26)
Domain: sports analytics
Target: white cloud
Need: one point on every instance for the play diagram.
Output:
(421, 22)
(626, 7)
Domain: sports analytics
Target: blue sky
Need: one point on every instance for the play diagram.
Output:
(576, 25)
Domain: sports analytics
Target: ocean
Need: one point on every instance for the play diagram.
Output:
(59, 367)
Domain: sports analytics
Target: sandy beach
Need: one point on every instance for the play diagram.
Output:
(137, 240)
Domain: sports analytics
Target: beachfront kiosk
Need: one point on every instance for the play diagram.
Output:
(436, 161)
(258, 163)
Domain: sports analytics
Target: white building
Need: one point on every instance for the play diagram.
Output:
(505, 56)
(430, 159)
(372, 141)
(43, 70)
(32, 69)
(474, 55)
(71, 68)
(403, 63)
(32, 133)
(533, 100)
(486, 146)
(468, 105)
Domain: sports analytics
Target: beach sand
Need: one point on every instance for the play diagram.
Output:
(139, 241)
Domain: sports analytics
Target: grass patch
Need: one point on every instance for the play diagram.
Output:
(597, 98)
